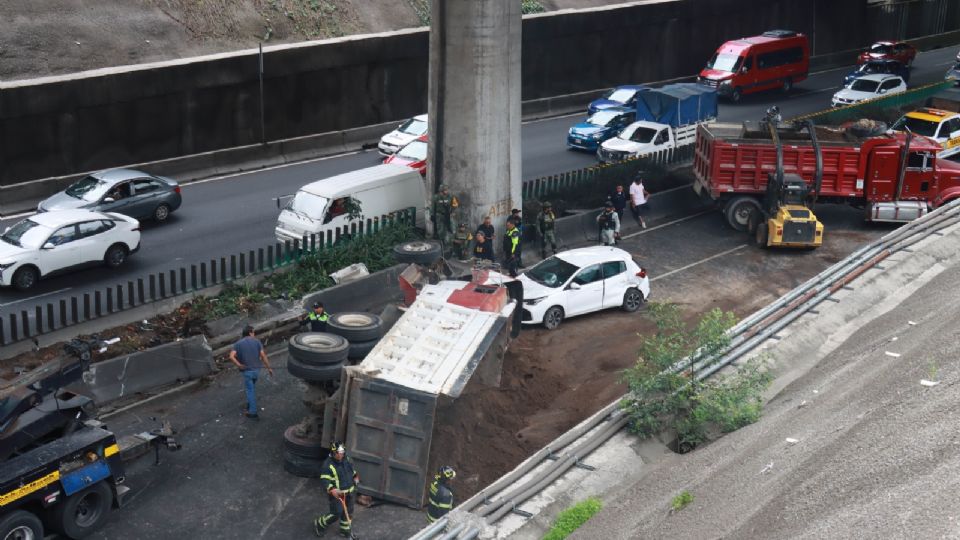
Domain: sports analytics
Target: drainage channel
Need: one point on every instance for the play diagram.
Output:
(495, 501)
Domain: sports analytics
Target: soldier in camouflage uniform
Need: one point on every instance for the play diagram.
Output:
(546, 228)
(461, 242)
(441, 213)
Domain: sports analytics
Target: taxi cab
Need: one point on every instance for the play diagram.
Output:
(937, 124)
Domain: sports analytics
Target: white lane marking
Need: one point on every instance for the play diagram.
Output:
(667, 224)
(701, 261)
(34, 297)
(20, 215)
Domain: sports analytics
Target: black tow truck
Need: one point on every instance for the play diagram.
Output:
(61, 470)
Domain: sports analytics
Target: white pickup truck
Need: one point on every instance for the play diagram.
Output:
(667, 119)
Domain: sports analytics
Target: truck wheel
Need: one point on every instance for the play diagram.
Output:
(310, 448)
(787, 85)
(302, 466)
(738, 212)
(318, 348)
(360, 349)
(736, 95)
(84, 511)
(418, 251)
(356, 326)
(325, 373)
(761, 235)
(21, 525)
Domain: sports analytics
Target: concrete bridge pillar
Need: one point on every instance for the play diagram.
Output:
(474, 107)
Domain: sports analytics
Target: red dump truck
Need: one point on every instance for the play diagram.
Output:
(732, 161)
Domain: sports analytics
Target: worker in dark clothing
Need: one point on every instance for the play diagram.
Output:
(511, 249)
(441, 497)
(609, 224)
(481, 248)
(317, 319)
(487, 229)
(619, 198)
(340, 481)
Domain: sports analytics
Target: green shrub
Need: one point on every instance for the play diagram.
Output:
(681, 501)
(531, 6)
(572, 518)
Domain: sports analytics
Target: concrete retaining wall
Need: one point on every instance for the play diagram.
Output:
(58, 126)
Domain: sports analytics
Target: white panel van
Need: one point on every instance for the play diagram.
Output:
(321, 207)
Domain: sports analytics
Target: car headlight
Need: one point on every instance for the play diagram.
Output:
(727, 82)
(596, 135)
(533, 301)
(4, 266)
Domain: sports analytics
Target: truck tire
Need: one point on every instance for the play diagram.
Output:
(302, 466)
(311, 373)
(739, 210)
(356, 326)
(318, 348)
(761, 235)
(304, 447)
(83, 512)
(21, 525)
(418, 252)
(360, 350)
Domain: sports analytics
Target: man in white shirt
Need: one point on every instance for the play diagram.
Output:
(638, 198)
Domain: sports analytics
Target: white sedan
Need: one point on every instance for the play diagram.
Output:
(55, 242)
(405, 133)
(869, 87)
(582, 281)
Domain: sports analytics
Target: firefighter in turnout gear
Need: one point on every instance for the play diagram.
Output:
(609, 224)
(317, 319)
(546, 228)
(511, 249)
(340, 481)
(441, 497)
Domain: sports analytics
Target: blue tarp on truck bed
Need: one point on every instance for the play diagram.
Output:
(677, 104)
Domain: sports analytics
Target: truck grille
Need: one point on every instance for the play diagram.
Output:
(799, 231)
(610, 155)
(709, 82)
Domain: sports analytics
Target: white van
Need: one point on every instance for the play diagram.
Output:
(322, 207)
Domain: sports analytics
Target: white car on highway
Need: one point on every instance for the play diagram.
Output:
(55, 242)
(405, 133)
(582, 281)
(869, 87)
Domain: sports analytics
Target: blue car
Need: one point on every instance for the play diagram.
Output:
(891, 67)
(600, 126)
(621, 96)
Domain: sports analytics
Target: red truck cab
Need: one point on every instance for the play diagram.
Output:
(774, 59)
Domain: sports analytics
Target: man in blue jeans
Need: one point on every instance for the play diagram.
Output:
(248, 355)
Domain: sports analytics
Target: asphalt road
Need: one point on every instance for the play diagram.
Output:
(235, 213)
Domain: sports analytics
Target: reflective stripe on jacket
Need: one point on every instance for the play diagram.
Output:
(440, 501)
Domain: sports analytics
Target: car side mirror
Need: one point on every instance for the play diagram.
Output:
(109, 199)
(48, 245)
(574, 286)
(744, 69)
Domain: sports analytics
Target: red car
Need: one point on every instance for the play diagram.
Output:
(413, 155)
(889, 50)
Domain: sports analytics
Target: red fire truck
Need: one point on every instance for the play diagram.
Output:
(896, 178)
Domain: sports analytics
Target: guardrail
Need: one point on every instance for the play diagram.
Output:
(49, 317)
(872, 108)
(531, 477)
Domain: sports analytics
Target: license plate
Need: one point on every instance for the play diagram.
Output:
(578, 141)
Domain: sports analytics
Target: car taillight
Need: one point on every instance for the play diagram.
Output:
(642, 273)
(176, 189)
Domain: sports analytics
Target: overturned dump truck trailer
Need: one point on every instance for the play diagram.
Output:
(451, 337)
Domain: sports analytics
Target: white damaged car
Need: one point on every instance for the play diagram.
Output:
(582, 281)
(405, 133)
(869, 87)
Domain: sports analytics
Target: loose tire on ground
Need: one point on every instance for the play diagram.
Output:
(311, 373)
(761, 235)
(21, 525)
(738, 212)
(632, 300)
(302, 466)
(356, 326)
(360, 350)
(418, 252)
(83, 512)
(303, 447)
(553, 317)
(318, 348)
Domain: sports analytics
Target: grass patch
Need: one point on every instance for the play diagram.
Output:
(572, 518)
(681, 501)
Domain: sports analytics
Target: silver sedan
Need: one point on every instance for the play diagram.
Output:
(123, 191)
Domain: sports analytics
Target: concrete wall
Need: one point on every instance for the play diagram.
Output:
(62, 125)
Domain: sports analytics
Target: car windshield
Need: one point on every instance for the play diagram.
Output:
(918, 126)
(638, 134)
(414, 127)
(881, 48)
(27, 234)
(872, 67)
(417, 151)
(88, 189)
(620, 95)
(864, 85)
(602, 118)
(552, 272)
(725, 62)
(307, 205)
